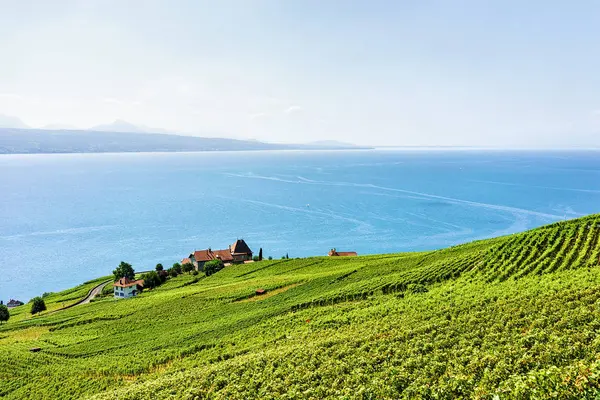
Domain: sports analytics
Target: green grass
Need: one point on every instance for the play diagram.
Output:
(55, 301)
(512, 317)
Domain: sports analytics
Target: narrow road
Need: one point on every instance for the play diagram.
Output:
(96, 290)
(93, 293)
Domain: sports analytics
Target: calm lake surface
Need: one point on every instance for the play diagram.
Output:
(65, 219)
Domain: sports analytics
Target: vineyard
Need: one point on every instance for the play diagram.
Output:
(514, 317)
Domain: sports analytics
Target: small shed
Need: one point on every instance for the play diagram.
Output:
(260, 291)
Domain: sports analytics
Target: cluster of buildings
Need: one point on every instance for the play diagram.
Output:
(334, 253)
(238, 252)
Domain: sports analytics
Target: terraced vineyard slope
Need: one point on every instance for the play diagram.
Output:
(512, 317)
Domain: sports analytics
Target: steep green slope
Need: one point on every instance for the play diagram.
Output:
(516, 316)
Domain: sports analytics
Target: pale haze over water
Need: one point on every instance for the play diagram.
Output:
(507, 73)
(70, 218)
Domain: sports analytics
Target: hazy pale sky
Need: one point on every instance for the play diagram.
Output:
(502, 73)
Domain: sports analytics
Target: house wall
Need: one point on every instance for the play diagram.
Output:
(242, 257)
(200, 265)
(123, 293)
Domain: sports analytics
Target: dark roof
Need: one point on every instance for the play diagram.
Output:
(14, 303)
(240, 247)
(126, 282)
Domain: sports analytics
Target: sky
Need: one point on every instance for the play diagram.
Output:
(476, 73)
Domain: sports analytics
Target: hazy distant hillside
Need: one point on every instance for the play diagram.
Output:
(24, 141)
(80, 141)
(6, 121)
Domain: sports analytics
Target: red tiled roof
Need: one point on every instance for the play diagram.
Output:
(186, 261)
(240, 247)
(209, 254)
(126, 282)
(202, 255)
(334, 253)
(260, 291)
(223, 255)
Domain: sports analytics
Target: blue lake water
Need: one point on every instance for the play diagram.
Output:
(65, 219)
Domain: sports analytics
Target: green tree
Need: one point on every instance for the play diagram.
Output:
(38, 305)
(159, 267)
(151, 280)
(213, 266)
(187, 267)
(172, 272)
(163, 275)
(124, 270)
(177, 268)
(260, 254)
(270, 258)
(4, 314)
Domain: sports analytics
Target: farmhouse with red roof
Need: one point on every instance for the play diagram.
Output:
(236, 253)
(125, 288)
(335, 253)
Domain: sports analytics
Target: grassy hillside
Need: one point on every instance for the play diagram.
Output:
(56, 301)
(512, 317)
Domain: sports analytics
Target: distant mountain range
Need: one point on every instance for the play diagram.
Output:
(7, 121)
(121, 136)
(30, 141)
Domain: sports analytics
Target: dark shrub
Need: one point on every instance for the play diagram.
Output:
(151, 280)
(4, 314)
(213, 266)
(38, 305)
(416, 288)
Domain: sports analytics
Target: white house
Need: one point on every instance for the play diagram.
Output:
(125, 287)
